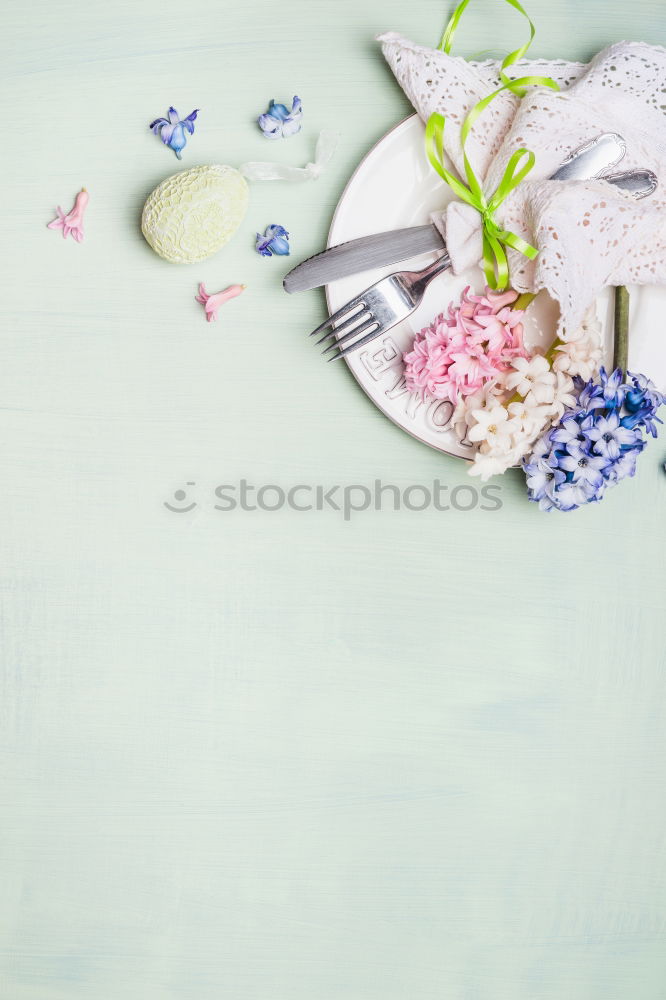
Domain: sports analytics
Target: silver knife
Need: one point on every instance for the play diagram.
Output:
(368, 252)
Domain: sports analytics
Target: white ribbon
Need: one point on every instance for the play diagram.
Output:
(326, 146)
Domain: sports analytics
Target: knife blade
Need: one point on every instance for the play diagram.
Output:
(380, 249)
(362, 255)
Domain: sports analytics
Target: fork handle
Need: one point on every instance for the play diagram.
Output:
(421, 279)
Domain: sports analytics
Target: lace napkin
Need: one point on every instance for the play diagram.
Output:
(588, 233)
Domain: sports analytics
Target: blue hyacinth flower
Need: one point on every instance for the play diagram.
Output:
(275, 240)
(172, 130)
(609, 437)
(596, 443)
(279, 122)
(642, 402)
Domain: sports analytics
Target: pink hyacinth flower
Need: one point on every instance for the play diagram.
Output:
(212, 303)
(465, 347)
(73, 221)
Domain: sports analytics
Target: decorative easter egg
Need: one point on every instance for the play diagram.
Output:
(191, 215)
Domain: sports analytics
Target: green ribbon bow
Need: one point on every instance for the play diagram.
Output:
(495, 239)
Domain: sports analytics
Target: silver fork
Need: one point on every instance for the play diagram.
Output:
(378, 308)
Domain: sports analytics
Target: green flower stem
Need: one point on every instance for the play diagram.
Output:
(621, 339)
(524, 300)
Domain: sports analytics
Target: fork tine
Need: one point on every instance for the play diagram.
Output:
(360, 316)
(363, 328)
(357, 343)
(340, 314)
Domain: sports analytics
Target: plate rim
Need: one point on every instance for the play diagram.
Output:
(401, 124)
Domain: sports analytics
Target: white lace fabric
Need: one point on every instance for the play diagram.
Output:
(589, 234)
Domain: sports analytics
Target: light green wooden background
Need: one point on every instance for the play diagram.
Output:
(280, 756)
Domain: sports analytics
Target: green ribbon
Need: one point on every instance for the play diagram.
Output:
(495, 239)
(517, 86)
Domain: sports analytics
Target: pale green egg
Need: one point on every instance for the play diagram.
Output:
(191, 215)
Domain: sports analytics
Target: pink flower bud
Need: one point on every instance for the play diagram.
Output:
(212, 303)
(73, 221)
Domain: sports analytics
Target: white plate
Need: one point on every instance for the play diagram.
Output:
(394, 187)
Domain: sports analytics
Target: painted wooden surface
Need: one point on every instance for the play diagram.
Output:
(282, 756)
